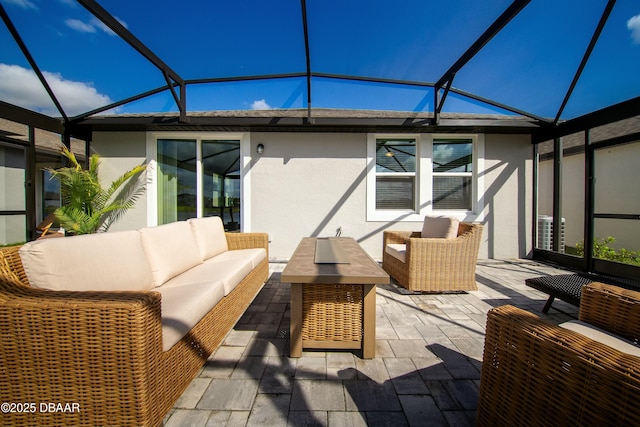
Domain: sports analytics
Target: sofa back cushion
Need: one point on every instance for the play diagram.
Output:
(440, 227)
(91, 262)
(209, 235)
(171, 249)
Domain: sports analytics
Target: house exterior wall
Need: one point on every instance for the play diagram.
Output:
(120, 152)
(312, 184)
(508, 196)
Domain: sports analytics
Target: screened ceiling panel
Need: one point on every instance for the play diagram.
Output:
(362, 95)
(355, 55)
(217, 38)
(248, 95)
(409, 40)
(612, 74)
(19, 84)
(84, 62)
(531, 63)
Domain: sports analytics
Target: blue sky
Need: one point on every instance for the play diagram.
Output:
(529, 66)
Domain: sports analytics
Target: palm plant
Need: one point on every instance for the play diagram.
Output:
(86, 206)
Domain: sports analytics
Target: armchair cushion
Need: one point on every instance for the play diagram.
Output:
(440, 227)
(602, 336)
(397, 250)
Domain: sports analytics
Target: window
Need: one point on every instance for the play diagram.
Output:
(452, 174)
(410, 176)
(395, 174)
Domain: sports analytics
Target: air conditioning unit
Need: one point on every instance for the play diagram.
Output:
(545, 233)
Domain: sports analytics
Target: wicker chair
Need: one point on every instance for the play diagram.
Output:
(435, 265)
(536, 373)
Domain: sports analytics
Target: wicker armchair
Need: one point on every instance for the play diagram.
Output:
(435, 265)
(535, 373)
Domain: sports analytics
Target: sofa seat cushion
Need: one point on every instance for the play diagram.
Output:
(171, 249)
(184, 305)
(210, 236)
(256, 255)
(397, 250)
(602, 336)
(113, 261)
(440, 227)
(229, 268)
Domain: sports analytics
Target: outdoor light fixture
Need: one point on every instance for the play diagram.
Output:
(260, 148)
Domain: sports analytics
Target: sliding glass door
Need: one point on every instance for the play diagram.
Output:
(199, 178)
(221, 181)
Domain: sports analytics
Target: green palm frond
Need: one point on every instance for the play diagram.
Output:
(86, 206)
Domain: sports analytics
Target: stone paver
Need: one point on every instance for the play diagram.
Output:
(426, 370)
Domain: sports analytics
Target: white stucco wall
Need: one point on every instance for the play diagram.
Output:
(311, 184)
(508, 196)
(120, 152)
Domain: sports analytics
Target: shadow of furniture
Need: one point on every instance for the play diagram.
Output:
(433, 264)
(537, 373)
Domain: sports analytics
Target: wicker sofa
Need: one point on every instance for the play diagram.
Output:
(536, 373)
(433, 264)
(119, 356)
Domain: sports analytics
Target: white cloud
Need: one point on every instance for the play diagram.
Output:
(78, 25)
(25, 4)
(20, 86)
(260, 104)
(92, 26)
(633, 25)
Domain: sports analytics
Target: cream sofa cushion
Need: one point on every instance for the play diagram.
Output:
(440, 227)
(209, 235)
(255, 255)
(397, 250)
(92, 262)
(602, 336)
(229, 268)
(171, 249)
(184, 305)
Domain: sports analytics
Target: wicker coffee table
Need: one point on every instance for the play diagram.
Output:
(333, 296)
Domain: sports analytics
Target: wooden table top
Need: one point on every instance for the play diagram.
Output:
(360, 268)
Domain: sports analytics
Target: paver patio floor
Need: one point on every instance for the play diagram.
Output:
(426, 371)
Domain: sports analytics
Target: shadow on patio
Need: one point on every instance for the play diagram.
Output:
(426, 370)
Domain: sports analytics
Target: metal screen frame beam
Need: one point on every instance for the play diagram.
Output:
(585, 58)
(307, 51)
(105, 17)
(27, 54)
(611, 114)
(511, 12)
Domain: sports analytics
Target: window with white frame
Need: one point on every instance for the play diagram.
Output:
(452, 174)
(395, 173)
(411, 176)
